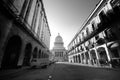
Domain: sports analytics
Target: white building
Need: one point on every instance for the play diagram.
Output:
(59, 51)
(97, 43)
(24, 32)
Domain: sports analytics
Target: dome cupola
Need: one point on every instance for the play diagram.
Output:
(58, 42)
(58, 39)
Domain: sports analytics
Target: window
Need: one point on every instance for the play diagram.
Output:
(87, 31)
(93, 28)
(103, 18)
(83, 35)
(115, 53)
(97, 37)
(79, 39)
(110, 35)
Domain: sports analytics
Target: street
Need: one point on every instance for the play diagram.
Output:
(65, 71)
(59, 40)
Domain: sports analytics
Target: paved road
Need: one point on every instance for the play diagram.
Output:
(63, 71)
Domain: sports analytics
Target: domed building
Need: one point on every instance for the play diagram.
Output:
(59, 51)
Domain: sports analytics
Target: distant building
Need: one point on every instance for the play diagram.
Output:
(59, 51)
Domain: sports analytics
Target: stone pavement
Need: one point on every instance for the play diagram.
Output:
(11, 72)
(95, 66)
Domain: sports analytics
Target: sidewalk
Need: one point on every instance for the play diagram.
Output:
(11, 72)
(94, 66)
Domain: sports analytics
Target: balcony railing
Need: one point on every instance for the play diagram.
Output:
(105, 22)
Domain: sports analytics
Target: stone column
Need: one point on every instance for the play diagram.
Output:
(89, 58)
(28, 9)
(108, 55)
(84, 58)
(35, 16)
(24, 9)
(98, 63)
(22, 53)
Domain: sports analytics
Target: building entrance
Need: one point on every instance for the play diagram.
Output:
(12, 52)
(28, 50)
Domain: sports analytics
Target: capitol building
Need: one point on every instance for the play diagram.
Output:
(59, 52)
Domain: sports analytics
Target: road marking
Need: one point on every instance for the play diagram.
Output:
(50, 76)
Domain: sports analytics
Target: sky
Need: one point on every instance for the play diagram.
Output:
(66, 17)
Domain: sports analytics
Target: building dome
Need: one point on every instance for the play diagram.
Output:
(58, 39)
(58, 44)
(59, 51)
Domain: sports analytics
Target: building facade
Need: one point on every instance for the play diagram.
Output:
(97, 43)
(59, 52)
(24, 32)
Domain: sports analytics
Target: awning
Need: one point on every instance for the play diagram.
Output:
(113, 44)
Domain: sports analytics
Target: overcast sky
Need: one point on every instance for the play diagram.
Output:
(66, 17)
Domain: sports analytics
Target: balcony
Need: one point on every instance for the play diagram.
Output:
(110, 35)
(100, 41)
